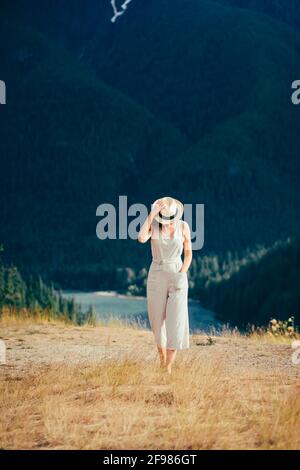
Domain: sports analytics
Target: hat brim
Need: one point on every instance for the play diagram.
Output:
(166, 221)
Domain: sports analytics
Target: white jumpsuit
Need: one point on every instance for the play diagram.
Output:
(167, 290)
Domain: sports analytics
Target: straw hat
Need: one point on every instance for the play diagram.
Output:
(172, 212)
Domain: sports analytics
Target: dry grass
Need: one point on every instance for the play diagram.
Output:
(119, 322)
(13, 317)
(258, 335)
(269, 338)
(131, 404)
(91, 388)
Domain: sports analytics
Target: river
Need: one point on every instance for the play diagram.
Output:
(108, 305)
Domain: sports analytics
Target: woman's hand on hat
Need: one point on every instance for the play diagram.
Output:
(159, 206)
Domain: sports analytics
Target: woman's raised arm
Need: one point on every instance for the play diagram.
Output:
(145, 232)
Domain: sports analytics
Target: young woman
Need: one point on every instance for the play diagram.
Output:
(167, 284)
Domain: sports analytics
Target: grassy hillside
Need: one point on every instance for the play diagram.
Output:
(101, 388)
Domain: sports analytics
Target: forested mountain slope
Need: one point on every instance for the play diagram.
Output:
(185, 98)
(68, 143)
(287, 11)
(267, 289)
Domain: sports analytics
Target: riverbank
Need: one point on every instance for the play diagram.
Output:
(110, 293)
(102, 293)
(110, 305)
(82, 387)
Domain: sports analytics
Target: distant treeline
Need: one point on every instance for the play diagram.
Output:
(17, 293)
(264, 288)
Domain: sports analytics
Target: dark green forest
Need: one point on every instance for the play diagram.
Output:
(260, 290)
(17, 294)
(287, 11)
(185, 98)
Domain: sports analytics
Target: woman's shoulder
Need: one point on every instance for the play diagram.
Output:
(184, 227)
